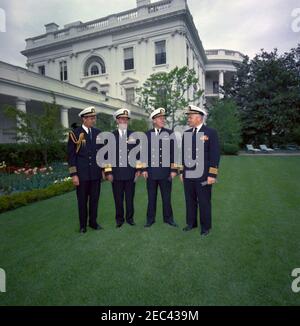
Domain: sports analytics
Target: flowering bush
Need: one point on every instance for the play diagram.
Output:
(26, 178)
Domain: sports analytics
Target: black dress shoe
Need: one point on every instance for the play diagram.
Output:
(148, 225)
(119, 225)
(172, 223)
(82, 230)
(204, 233)
(131, 223)
(96, 227)
(187, 228)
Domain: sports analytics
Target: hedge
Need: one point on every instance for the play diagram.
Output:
(9, 202)
(20, 155)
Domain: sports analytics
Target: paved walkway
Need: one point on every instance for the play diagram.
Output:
(276, 153)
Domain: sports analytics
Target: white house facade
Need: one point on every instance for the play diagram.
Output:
(110, 57)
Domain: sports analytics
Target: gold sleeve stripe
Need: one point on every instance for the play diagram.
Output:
(140, 165)
(107, 168)
(73, 169)
(213, 170)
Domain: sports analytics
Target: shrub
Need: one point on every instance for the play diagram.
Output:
(230, 149)
(224, 118)
(9, 202)
(21, 155)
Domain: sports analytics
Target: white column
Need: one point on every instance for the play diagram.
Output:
(64, 117)
(221, 82)
(20, 106)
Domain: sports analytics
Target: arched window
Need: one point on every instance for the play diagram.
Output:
(94, 64)
(94, 70)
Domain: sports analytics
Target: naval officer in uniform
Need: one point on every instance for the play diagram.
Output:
(83, 168)
(123, 176)
(159, 176)
(198, 190)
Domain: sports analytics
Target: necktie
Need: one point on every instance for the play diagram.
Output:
(90, 134)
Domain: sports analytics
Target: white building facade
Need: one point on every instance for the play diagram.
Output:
(114, 55)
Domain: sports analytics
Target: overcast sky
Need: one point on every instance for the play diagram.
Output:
(243, 25)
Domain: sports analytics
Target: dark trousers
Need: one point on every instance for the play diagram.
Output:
(165, 186)
(196, 194)
(88, 193)
(121, 189)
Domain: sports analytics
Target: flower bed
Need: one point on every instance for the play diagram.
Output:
(25, 179)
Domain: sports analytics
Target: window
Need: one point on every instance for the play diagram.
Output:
(94, 64)
(160, 53)
(130, 95)
(42, 70)
(94, 70)
(63, 71)
(103, 93)
(128, 59)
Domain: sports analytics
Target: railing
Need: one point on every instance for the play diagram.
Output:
(61, 34)
(212, 52)
(106, 21)
(230, 53)
(221, 52)
(97, 24)
(129, 15)
(158, 7)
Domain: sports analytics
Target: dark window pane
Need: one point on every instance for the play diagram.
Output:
(94, 70)
(160, 58)
(128, 64)
(160, 53)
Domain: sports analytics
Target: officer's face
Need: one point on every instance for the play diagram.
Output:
(194, 120)
(159, 122)
(122, 122)
(89, 121)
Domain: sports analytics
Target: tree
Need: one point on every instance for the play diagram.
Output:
(267, 92)
(105, 122)
(44, 130)
(173, 91)
(223, 116)
(138, 125)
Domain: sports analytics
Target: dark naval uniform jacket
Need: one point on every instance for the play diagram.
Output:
(120, 172)
(160, 172)
(197, 191)
(211, 153)
(159, 176)
(82, 152)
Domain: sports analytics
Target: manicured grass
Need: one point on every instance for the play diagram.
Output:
(246, 260)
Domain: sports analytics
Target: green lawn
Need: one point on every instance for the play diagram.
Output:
(246, 260)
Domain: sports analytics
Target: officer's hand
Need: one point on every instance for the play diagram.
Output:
(211, 180)
(75, 180)
(173, 175)
(145, 174)
(181, 177)
(110, 178)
